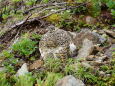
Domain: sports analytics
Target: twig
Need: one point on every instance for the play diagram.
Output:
(67, 8)
(49, 9)
(46, 5)
(22, 22)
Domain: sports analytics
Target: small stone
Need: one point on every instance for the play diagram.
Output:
(101, 38)
(111, 40)
(101, 73)
(95, 31)
(36, 64)
(23, 70)
(2, 69)
(109, 52)
(110, 33)
(90, 20)
(69, 81)
(100, 59)
(90, 58)
(95, 63)
(108, 75)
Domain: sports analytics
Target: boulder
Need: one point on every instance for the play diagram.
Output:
(69, 81)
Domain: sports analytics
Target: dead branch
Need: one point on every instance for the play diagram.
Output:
(21, 23)
(27, 20)
(49, 4)
(60, 10)
(50, 8)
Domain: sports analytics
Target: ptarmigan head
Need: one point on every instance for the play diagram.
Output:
(51, 28)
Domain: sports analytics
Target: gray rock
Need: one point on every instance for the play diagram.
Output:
(100, 58)
(86, 49)
(2, 69)
(87, 34)
(109, 52)
(101, 73)
(101, 38)
(23, 70)
(69, 81)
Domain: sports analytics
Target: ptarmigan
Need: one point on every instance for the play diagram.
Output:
(56, 43)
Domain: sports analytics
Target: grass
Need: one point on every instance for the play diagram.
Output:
(3, 80)
(55, 69)
(52, 70)
(26, 80)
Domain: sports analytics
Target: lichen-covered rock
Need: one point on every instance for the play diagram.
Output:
(69, 81)
(56, 43)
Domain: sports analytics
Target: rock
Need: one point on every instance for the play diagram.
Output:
(101, 73)
(111, 40)
(23, 70)
(110, 51)
(87, 34)
(69, 81)
(90, 20)
(108, 75)
(100, 59)
(2, 69)
(85, 41)
(36, 64)
(95, 63)
(90, 58)
(110, 33)
(86, 49)
(101, 39)
(55, 43)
